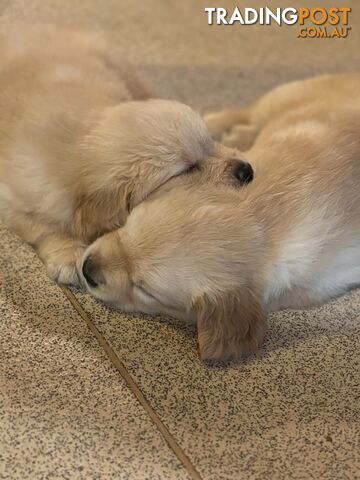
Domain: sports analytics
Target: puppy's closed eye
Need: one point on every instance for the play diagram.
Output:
(195, 167)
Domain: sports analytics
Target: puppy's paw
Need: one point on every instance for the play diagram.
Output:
(62, 267)
(218, 124)
(241, 137)
(63, 274)
(226, 128)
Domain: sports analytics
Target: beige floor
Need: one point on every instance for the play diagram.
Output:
(88, 393)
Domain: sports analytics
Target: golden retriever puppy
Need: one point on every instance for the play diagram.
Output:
(80, 147)
(223, 258)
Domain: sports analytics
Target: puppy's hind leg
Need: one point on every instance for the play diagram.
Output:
(233, 128)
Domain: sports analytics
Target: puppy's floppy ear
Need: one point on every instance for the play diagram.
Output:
(229, 325)
(98, 214)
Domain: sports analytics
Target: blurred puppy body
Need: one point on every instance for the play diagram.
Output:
(76, 152)
(291, 238)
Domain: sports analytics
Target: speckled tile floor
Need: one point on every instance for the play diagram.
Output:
(65, 412)
(128, 397)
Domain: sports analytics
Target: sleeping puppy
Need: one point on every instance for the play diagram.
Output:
(224, 258)
(77, 153)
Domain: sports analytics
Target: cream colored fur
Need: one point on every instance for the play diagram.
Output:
(79, 145)
(291, 238)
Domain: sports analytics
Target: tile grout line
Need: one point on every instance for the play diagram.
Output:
(120, 366)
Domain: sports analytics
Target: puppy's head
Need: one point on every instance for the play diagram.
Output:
(190, 254)
(135, 148)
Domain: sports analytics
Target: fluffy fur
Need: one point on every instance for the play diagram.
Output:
(77, 153)
(291, 238)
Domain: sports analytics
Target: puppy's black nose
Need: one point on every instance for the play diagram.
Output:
(88, 272)
(244, 172)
